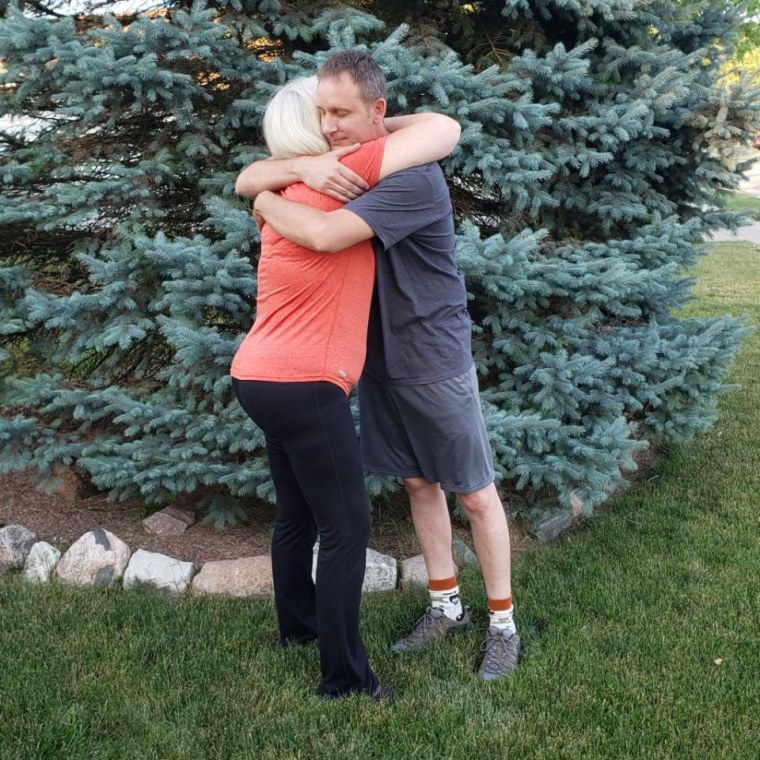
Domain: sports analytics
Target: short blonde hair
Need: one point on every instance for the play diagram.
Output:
(291, 121)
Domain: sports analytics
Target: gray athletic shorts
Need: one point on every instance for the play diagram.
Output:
(435, 431)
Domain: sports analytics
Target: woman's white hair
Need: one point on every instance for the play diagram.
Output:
(291, 121)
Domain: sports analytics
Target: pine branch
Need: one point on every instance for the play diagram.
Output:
(45, 10)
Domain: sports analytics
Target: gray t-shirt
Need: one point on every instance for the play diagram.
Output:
(419, 328)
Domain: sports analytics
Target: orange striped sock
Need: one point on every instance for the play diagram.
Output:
(444, 595)
(442, 585)
(501, 614)
(499, 605)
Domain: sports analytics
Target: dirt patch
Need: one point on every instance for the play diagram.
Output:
(62, 517)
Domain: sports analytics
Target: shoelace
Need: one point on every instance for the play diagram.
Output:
(421, 626)
(497, 651)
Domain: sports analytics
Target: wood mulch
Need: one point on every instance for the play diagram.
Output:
(62, 517)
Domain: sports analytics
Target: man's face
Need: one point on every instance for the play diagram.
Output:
(345, 116)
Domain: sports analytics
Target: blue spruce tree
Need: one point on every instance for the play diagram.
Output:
(596, 137)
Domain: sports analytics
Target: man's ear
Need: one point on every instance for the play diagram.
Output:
(378, 110)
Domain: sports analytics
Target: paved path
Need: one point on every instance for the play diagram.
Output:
(752, 184)
(748, 234)
(751, 232)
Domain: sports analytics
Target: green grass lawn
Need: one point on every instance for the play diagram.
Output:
(745, 203)
(641, 636)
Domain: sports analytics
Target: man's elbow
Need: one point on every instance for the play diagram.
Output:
(323, 241)
(454, 132)
(324, 236)
(328, 231)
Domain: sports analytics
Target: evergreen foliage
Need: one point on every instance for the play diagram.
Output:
(595, 140)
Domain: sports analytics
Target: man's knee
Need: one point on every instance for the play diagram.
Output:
(420, 486)
(481, 502)
(426, 500)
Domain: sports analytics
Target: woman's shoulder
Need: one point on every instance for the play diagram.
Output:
(366, 152)
(366, 159)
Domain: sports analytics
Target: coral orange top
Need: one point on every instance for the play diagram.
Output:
(312, 309)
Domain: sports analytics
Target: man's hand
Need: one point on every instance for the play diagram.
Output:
(328, 175)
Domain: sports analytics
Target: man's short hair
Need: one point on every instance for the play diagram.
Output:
(364, 70)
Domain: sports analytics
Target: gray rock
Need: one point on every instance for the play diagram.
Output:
(39, 565)
(550, 525)
(16, 542)
(412, 571)
(462, 553)
(551, 522)
(158, 573)
(171, 521)
(98, 559)
(244, 577)
(380, 573)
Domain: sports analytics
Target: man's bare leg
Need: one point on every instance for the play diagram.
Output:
(490, 534)
(432, 523)
(445, 613)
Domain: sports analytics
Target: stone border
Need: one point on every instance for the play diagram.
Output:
(99, 559)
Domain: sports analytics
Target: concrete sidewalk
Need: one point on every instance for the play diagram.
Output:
(748, 234)
(751, 232)
(751, 185)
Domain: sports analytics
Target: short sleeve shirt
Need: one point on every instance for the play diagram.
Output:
(419, 328)
(312, 308)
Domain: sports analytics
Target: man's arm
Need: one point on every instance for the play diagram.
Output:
(324, 231)
(417, 139)
(324, 173)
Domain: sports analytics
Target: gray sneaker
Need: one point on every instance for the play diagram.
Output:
(431, 626)
(502, 651)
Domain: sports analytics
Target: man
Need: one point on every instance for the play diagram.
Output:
(419, 403)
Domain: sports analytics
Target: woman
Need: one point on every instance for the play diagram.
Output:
(293, 373)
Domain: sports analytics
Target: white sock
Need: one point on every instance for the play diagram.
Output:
(448, 601)
(503, 620)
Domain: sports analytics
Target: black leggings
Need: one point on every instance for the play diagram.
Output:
(317, 473)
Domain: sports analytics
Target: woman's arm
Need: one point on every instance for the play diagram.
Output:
(414, 139)
(324, 173)
(417, 139)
